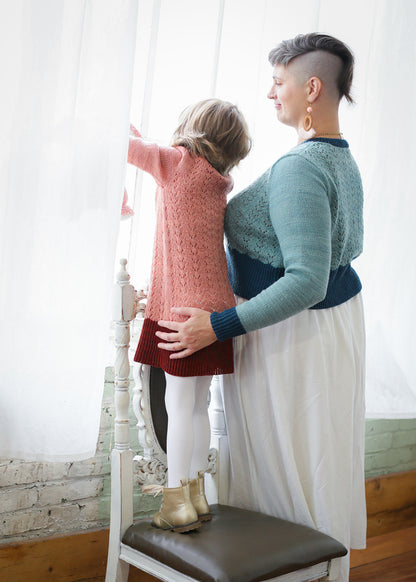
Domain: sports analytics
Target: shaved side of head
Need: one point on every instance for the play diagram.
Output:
(318, 55)
(326, 66)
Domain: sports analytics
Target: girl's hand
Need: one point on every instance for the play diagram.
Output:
(133, 131)
(187, 337)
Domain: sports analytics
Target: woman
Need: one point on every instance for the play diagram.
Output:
(295, 405)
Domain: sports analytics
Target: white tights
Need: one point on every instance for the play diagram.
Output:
(188, 435)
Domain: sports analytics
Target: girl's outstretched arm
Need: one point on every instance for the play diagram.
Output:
(159, 161)
(134, 131)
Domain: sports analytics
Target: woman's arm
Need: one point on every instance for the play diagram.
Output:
(300, 213)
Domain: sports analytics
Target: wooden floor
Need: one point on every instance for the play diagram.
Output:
(398, 569)
(401, 568)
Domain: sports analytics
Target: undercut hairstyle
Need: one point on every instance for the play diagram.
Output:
(215, 130)
(303, 44)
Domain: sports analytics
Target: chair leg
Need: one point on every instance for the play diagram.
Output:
(121, 512)
(334, 568)
(117, 572)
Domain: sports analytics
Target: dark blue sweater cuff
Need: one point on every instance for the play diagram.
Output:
(226, 324)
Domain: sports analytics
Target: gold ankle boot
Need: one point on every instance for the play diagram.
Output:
(177, 512)
(199, 501)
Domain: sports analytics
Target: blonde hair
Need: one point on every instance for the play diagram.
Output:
(215, 130)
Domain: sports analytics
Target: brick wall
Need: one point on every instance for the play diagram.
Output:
(40, 499)
(390, 446)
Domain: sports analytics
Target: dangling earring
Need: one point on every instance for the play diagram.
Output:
(307, 131)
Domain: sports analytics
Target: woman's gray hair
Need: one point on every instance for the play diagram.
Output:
(302, 44)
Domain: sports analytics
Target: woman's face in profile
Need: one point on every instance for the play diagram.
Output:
(289, 96)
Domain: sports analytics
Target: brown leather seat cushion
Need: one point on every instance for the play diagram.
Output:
(236, 546)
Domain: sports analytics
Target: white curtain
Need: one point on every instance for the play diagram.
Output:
(67, 68)
(386, 149)
(190, 49)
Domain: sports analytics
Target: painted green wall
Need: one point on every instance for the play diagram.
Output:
(390, 446)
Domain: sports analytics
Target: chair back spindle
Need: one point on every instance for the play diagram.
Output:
(121, 513)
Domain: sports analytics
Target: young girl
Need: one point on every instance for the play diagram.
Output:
(189, 268)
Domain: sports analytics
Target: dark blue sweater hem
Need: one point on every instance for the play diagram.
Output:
(248, 277)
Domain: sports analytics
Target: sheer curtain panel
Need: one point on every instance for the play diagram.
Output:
(67, 68)
(386, 151)
(230, 41)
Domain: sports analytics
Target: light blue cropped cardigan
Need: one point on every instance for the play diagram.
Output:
(291, 236)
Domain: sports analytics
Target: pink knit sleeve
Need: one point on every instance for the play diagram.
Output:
(134, 131)
(158, 161)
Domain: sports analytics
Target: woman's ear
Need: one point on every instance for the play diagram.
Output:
(314, 88)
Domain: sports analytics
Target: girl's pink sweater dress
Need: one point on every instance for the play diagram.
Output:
(189, 267)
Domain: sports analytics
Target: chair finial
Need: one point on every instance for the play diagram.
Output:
(123, 277)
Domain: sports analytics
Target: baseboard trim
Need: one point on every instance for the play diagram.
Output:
(69, 558)
(391, 503)
(77, 557)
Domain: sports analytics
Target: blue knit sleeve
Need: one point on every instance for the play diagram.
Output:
(300, 213)
(226, 324)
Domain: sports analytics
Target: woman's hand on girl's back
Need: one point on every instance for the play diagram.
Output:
(187, 337)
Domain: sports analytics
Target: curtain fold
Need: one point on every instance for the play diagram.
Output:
(68, 71)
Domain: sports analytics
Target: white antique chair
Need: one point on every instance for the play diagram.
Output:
(237, 545)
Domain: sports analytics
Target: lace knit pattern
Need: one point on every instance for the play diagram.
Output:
(248, 226)
(189, 266)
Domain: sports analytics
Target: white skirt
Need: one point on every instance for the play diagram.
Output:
(295, 410)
